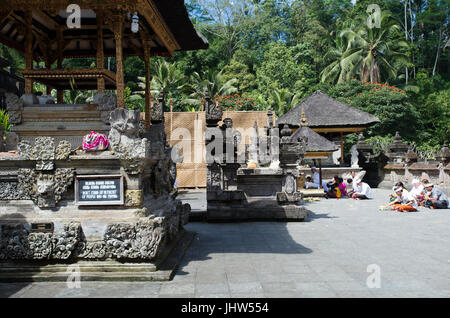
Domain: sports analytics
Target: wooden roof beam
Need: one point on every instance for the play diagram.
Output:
(4, 14)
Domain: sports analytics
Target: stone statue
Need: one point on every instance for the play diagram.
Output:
(355, 154)
(124, 126)
(213, 110)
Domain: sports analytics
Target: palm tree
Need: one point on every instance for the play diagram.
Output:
(211, 81)
(283, 101)
(372, 53)
(166, 77)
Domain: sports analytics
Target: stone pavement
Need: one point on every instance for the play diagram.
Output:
(327, 256)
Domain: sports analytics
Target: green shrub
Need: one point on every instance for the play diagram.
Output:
(4, 120)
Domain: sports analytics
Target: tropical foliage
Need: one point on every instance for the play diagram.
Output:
(273, 53)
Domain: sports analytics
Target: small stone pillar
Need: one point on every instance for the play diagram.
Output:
(444, 155)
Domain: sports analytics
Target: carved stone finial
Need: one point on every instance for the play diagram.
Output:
(303, 121)
(286, 131)
(397, 150)
(444, 155)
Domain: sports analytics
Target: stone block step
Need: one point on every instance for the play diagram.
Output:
(40, 116)
(56, 126)
(61, 107)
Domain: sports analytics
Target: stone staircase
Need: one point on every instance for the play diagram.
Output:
(62, 122)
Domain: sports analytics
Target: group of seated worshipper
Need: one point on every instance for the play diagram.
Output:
(422, 193)
(337, 188)
(354, 188)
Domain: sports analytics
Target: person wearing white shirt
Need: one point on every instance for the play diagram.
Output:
(417, 189)
(361, 190)
(316, 180)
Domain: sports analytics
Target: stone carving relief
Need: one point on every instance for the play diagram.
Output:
(125, 141)
(157, 111)
(13, 102)
(39, 245)
(65, 243)
(106, 102)
(91, 250)
(9, 191)
(290, 186)
(45, 189)
(18, 243)
(63, 150)
(15, 117)
(129, 241)
(134, 198)
(14, 106)
(14, 242)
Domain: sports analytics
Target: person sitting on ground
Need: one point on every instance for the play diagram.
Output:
(399, 184)
(309, 184)
(417, 190)
(314, 181)
(333, 189)
(349, 187)
(361, 190)
(421, 199)
(342, 186)
(403, 202)
(435, 198)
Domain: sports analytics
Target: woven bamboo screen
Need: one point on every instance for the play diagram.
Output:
(191, 173)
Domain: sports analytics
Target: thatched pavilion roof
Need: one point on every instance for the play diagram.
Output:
(324, 111)
(316, 143)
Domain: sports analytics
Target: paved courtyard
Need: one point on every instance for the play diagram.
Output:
(327, 256)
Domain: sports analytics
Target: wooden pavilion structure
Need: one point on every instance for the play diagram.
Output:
(328, 117)
(40, 31)
(317, 147)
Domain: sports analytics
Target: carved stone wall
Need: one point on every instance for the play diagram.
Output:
(142, 240)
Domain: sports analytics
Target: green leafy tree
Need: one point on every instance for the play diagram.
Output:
(281, 69)
(371, 53)
(283, 101)
(211, 81)
(245, 81)
(390, 104)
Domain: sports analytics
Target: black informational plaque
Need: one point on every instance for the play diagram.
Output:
(99, 190)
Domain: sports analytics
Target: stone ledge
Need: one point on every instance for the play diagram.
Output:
(163, 270)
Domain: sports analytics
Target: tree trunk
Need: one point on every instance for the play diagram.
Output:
(412, 36)
(437, 52)
(406, 37)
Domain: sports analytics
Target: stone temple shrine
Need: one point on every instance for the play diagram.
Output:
(114, 213)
